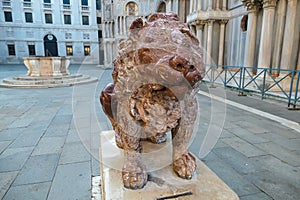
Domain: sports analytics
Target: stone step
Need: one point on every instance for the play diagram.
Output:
(47, 84)
(50, 80)
(32, 78)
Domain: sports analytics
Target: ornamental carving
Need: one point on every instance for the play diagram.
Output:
(252, 5)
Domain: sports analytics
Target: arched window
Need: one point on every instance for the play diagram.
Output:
(244, 23)
(161, 7)
(132, 9)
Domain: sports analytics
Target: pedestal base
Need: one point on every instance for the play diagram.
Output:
(162, 183)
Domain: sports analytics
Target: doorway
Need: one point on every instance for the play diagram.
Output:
(50, 45)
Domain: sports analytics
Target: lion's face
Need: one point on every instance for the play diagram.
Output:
(160, 49)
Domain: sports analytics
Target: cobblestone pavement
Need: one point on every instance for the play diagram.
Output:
(49, 140)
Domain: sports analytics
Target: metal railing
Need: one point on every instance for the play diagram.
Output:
(259, 80)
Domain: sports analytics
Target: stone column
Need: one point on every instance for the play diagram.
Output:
(217, 4)
(199, 5)
(209, 5)
(265, 48)
(289, 33)
(191, 6)
(199, 28)
(125, 27)
(281, 14)
(298, 63)
(209, 41)
(224, 4)
(221, 45)
(252, 8)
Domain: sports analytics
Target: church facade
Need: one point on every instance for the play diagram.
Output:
(251, 33)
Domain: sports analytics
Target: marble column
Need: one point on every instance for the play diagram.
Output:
(281, 14)
(217, 4)
(298, 63)
(265, 48)
(209, 5)
(221, 42)
(199, 5)
(209, 41)
(199, 28)
(124, 24)
(224, 4)
(191, 6)
(289, 33)
(251, 33)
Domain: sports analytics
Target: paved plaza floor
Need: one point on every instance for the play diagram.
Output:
(49, 141)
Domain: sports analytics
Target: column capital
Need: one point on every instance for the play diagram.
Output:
(223, 21)
(252, 5)
(200, 22)
(269, 3)
(210, 22)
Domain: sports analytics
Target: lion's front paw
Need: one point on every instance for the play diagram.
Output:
(134, 175)
(185, 166)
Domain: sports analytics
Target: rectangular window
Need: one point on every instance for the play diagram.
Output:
(11, 49)
(87, 50)
(85, 20)
(28, 17)
(99, 34)
(98, 4)
(66, 1)
(98, 20)
(84, 2)
(69, 50)
(31, 50)
(48, 18)
(47, 1)
(67, 19)
(27, 0)
(8, 16)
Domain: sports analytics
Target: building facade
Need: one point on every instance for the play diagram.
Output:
(118, 15)
(50, 28)
(252, 33)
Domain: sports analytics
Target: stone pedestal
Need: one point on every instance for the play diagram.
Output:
(163, 183)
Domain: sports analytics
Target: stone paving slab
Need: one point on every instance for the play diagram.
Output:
(71, 181)
(4, 145)
(6, 179)
(49, 145)
(13, 159)
(275, 185)
(258, 196)
(36, 191)
(243, 147)
(281, 153)
(236, 160)
(68, 155)
(37, 169)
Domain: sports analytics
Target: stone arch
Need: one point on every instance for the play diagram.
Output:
(131, 8)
